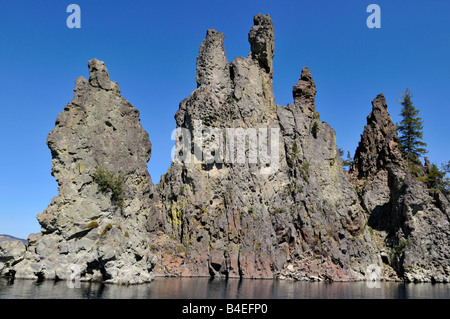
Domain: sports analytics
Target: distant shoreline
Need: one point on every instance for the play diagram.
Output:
(4, 237)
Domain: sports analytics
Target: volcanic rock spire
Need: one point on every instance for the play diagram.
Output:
(379, 146)
(96, 225)
(304, 93)
(261, 38)
(212, 64)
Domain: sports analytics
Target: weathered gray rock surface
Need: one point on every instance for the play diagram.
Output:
(103, 236)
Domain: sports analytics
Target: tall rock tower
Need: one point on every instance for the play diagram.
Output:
(95, 228)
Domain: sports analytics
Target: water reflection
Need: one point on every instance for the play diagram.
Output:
(205, 288)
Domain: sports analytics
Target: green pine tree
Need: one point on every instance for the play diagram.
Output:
(446, 181)
(349, 161)
(410, 131)
(446, 167)
(435, 179)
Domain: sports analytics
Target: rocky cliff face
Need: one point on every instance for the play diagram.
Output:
(96, 225)
(255, 190)
(409, 222)
(237, 219)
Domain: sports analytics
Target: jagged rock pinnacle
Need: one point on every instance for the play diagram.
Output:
(212, 64)
(379, 142)
(304, 92)
(261, 38)
(98, 74)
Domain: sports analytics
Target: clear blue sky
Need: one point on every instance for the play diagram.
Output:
(150, 49)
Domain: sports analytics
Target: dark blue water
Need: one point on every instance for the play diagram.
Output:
(204, 288)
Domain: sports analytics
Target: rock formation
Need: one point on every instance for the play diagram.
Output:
(231, 219)
(255, 189)
(409, 222)
(103, 235)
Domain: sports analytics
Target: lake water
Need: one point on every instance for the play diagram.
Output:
(204, 288)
